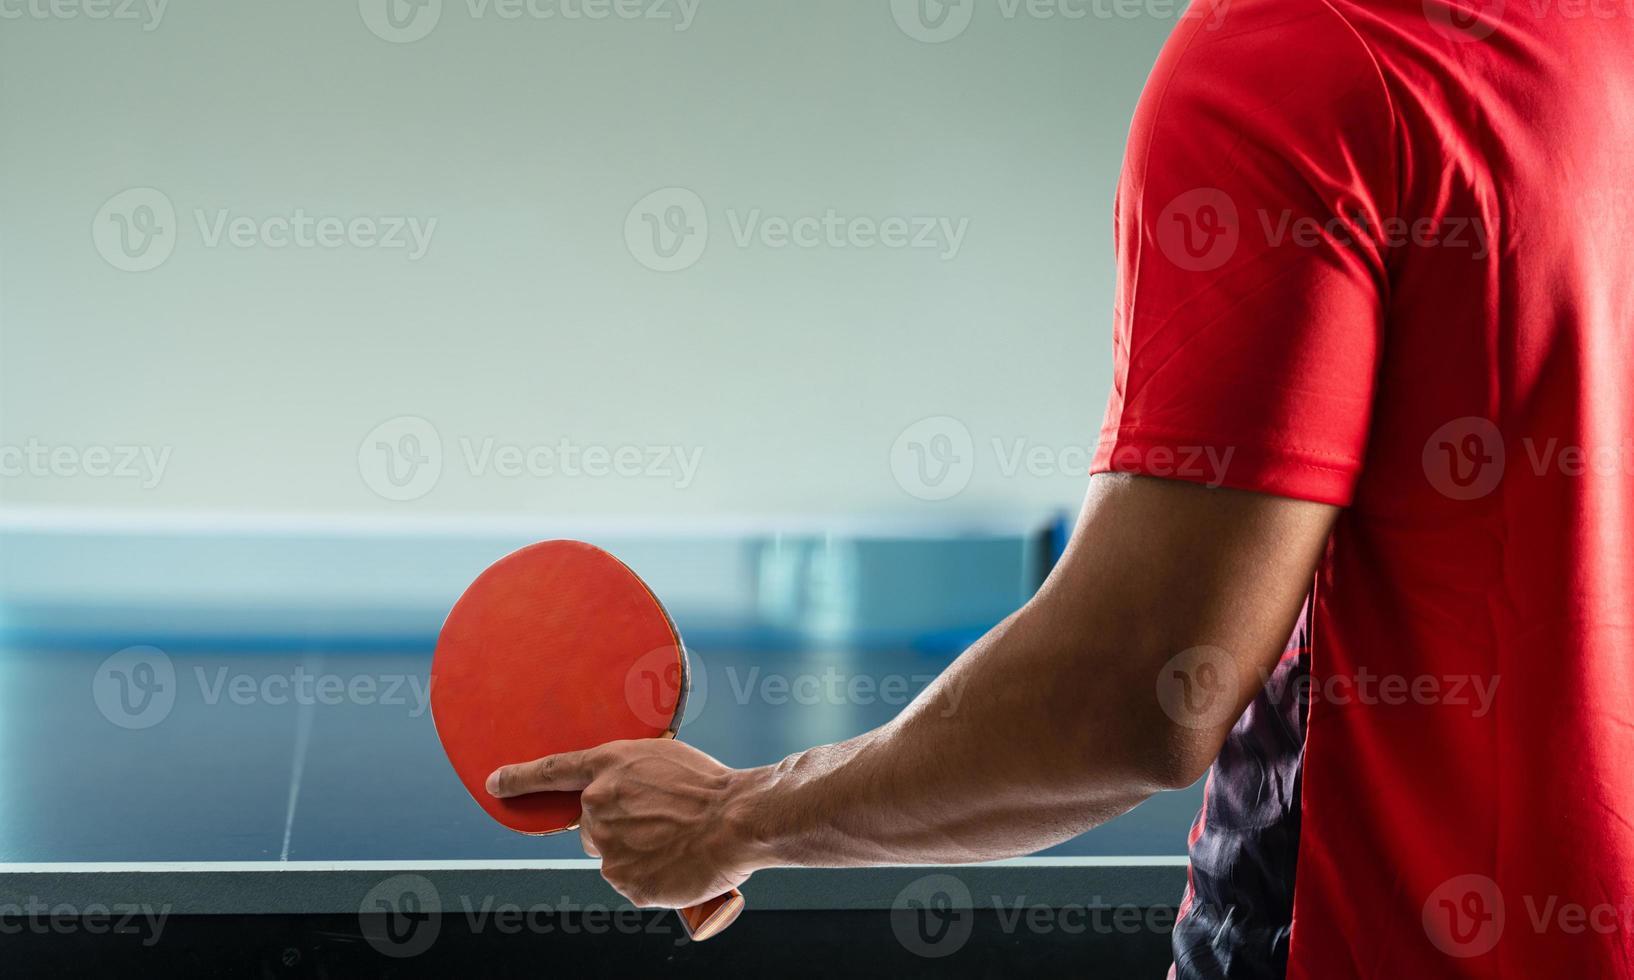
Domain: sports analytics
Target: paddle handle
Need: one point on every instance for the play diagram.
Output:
(707, 918)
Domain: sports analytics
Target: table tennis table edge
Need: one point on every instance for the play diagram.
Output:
(350, 887)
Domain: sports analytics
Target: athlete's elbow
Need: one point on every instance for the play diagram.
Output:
(1132, 741)
(1157, 755)
(1180, 758)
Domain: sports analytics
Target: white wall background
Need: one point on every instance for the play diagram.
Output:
(530, 319)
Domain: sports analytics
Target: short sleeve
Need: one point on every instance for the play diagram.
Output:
(1257, 190)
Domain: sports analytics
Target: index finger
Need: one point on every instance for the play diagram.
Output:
(566, 771)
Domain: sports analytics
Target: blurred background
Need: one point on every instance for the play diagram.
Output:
(311, 309)
(633, 268)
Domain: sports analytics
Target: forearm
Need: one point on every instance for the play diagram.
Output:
(1053, 723)
(1009, 751)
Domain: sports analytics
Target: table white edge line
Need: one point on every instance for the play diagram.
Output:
(568, 864)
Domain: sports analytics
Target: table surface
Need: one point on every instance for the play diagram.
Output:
(298, 781)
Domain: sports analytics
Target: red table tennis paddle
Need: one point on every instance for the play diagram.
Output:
(555, 648)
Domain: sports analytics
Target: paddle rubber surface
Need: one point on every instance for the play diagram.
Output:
(554, 648)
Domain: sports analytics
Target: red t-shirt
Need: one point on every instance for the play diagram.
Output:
(1381, 254)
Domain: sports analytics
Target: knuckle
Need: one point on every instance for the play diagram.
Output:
(620, 882)
(636, 890)
(618, 754)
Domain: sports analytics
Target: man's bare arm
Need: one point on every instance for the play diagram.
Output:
(1118, 680)
(1080, 705)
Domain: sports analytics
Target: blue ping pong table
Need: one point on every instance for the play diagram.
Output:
(203, 802)
(292, 812)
